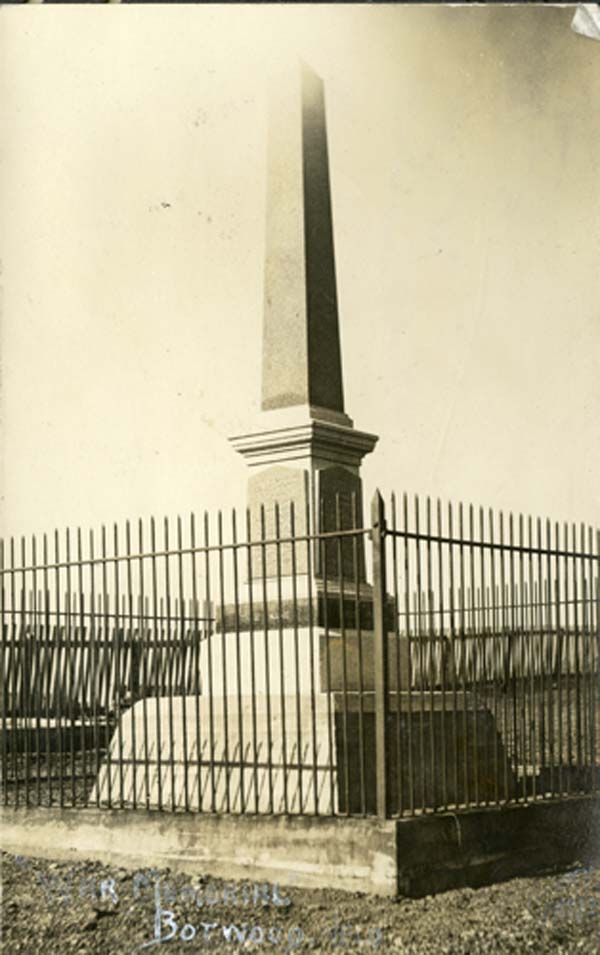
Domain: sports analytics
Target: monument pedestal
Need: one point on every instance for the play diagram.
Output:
(310, 643)
(305, 754)
(285, 721)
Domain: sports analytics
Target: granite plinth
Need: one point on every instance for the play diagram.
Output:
(298, 501)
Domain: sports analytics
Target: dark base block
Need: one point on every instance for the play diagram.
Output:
(437, 758)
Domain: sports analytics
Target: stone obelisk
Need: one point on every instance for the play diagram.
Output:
(271, 731)
(304, 449)
(267, 733)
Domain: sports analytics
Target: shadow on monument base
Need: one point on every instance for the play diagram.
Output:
(436, 757)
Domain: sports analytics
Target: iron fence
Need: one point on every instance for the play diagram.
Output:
(503, 621)
(227, 665)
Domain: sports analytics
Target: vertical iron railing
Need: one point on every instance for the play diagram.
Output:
(499, 628)
(249, 666)
(380, 653)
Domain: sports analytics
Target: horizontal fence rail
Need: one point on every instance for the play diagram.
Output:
(247, 664)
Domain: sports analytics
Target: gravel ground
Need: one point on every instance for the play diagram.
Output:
(51, 908)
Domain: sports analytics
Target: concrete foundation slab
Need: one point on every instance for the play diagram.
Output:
(357, 855)
(412, 857)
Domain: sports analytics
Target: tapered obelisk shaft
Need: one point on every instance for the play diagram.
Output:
(301, 343)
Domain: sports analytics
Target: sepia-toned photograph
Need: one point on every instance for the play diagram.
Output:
(300, 478)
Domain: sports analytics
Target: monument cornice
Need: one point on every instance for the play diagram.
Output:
(321, 441)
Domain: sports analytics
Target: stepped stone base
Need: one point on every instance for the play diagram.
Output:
(315, 764)
(299, 777)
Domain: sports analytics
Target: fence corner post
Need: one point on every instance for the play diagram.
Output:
(380, 651)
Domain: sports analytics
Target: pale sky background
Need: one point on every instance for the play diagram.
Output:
(465, 158)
